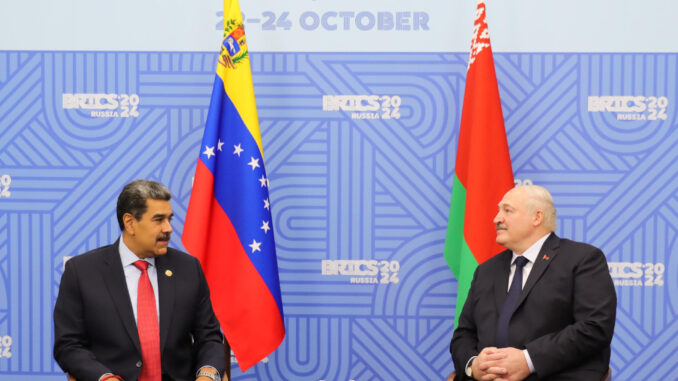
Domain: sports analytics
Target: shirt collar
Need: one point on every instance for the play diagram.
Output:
(128, 257)
(533, 251)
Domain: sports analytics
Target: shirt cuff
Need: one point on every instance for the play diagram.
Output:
(529, 361)
(468, 364)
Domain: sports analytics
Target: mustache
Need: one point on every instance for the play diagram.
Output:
(163, 237)
(500, 226)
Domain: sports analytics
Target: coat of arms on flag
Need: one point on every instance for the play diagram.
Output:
(234, 45)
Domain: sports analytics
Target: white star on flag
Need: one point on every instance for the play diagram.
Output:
(256, 246)
(209, 151)
(265, 227)
(219, 145)
(238, 150)
(263, 181)
(267, 204)
(254, 163)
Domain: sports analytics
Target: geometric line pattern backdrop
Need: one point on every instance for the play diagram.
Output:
(360, 149)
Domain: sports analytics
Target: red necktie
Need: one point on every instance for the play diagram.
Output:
(147, 325)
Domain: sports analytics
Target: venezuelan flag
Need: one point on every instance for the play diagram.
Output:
(228, 223)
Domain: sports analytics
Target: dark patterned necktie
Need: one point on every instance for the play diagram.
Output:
(510, 303)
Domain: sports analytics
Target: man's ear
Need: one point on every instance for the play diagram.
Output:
(538, 218)
(128, 221)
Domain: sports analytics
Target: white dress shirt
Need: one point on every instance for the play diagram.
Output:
(531, 255)
(132, 275)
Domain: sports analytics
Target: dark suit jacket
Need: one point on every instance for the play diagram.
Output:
(565, 317)
(94, 327)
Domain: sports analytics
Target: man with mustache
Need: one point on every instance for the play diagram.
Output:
(137, 309)
(544, 309)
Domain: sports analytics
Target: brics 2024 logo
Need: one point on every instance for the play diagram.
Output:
(234, 45)
(103, 105)
(363, 271)
(630, 107)
(365, 106)
(637, 273)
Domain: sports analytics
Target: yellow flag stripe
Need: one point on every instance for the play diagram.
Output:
(238, 82)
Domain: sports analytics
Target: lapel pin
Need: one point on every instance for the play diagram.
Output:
(546, 257)
(168, 273)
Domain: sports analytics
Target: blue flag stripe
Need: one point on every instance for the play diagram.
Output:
(245, 208)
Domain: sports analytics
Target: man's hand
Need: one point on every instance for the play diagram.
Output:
(513, 361)
(487, 366)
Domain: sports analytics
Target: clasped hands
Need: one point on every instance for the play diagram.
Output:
(500, 364)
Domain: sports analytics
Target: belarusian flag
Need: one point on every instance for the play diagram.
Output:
(483, 169)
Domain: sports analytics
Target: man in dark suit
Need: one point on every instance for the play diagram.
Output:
(137, 309)
(557, 322)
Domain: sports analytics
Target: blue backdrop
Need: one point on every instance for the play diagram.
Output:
(360, 140)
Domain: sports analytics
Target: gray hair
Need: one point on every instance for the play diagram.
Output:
(541, 199)
(132, 198)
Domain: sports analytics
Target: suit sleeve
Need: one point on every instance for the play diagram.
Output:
(208, 339)
(464, 344)
(70, 338)
(594, 308)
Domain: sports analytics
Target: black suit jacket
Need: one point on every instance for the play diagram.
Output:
(94, 327)
(565, 317)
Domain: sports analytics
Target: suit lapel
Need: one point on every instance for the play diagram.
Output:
(166, 293)
(114, 276)
(501, 281)
(546, 254)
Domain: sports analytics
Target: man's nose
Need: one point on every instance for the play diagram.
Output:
(167, 227)
(497, 218)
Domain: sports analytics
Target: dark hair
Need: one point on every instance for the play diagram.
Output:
(133, 197)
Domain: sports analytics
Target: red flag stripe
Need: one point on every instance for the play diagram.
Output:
(251, 314)
(483, 162)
